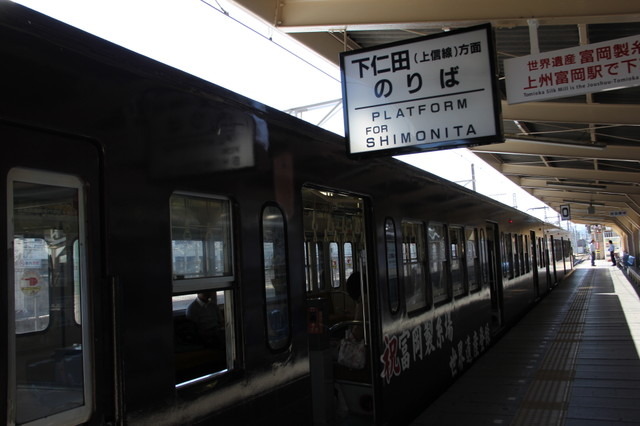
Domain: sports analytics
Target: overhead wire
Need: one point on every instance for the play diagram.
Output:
(226, 13)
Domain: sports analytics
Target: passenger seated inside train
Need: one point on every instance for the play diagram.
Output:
(203, 312)
(199, 328)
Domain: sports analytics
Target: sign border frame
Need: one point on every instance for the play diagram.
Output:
(432, 146)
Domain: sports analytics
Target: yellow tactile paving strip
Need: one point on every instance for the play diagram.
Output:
(545, 402)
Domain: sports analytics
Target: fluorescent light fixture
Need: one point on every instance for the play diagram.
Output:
(558, 142)
(569, 185)
(589, 203)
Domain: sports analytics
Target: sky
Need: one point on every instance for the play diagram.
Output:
(221, 43)
(199, 38)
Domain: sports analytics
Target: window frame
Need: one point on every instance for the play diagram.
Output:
(444, 264)
(318, 258)
(393, 273)
(527, 256)
(186, 285)
(420, 259)
(475, 260)
(43, 329)
(516, 255)
(81, 413)
(508, 243)
(286, 342)
(484, 256)
(335, 281)
(460, 289)
(346, 274)
(225, 284)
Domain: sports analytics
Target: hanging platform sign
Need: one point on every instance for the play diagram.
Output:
(428, 93)
(613, 64)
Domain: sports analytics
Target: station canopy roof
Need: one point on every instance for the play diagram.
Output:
(582, 151)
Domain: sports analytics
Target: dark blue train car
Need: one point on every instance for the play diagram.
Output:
(178, 254)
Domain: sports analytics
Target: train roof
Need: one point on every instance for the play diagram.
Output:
(66, 43)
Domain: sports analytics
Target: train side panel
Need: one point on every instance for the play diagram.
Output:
(154, 135)
(142, 200)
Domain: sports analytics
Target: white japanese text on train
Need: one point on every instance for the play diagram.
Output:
(411, 346)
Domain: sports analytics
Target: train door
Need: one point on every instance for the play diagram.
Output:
(51, 185)
(336, 272)
(495, 278)
(534, 261)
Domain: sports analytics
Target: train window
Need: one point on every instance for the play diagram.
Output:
(516, 255)
(438, 262)
(513, 256)
(484, 257)
(50, 361)
(202, 335)
(541, 254)
(527, 258)
(276, 278)
(517, 239)
(546, 248)
(413, 262)
(32, 275)
(314, 268)
(546, 252)
(319, 265)
(457, 245)
(347, 252)
(307, 267)
(202, 262)
(508, 244)
(503, 251)
(473, 259)
(201, 242)
(392, 265)
(77, 290)
(334, 254)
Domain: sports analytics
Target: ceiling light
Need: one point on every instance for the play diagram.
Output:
(575, 185)
(558, 142)
(589, 203)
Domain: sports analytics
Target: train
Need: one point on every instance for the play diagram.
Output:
(179, 254)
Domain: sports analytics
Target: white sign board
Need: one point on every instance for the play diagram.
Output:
(423, 94)
(608, 65)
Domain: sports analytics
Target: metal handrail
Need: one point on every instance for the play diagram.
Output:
(344, 324)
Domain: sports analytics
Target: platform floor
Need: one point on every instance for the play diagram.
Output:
(573, 360)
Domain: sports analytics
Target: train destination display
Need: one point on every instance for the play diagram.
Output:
(428, 93)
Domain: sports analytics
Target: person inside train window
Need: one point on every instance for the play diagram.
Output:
(612, 253)
(592, 249)
(354, 290)
(203, 311)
